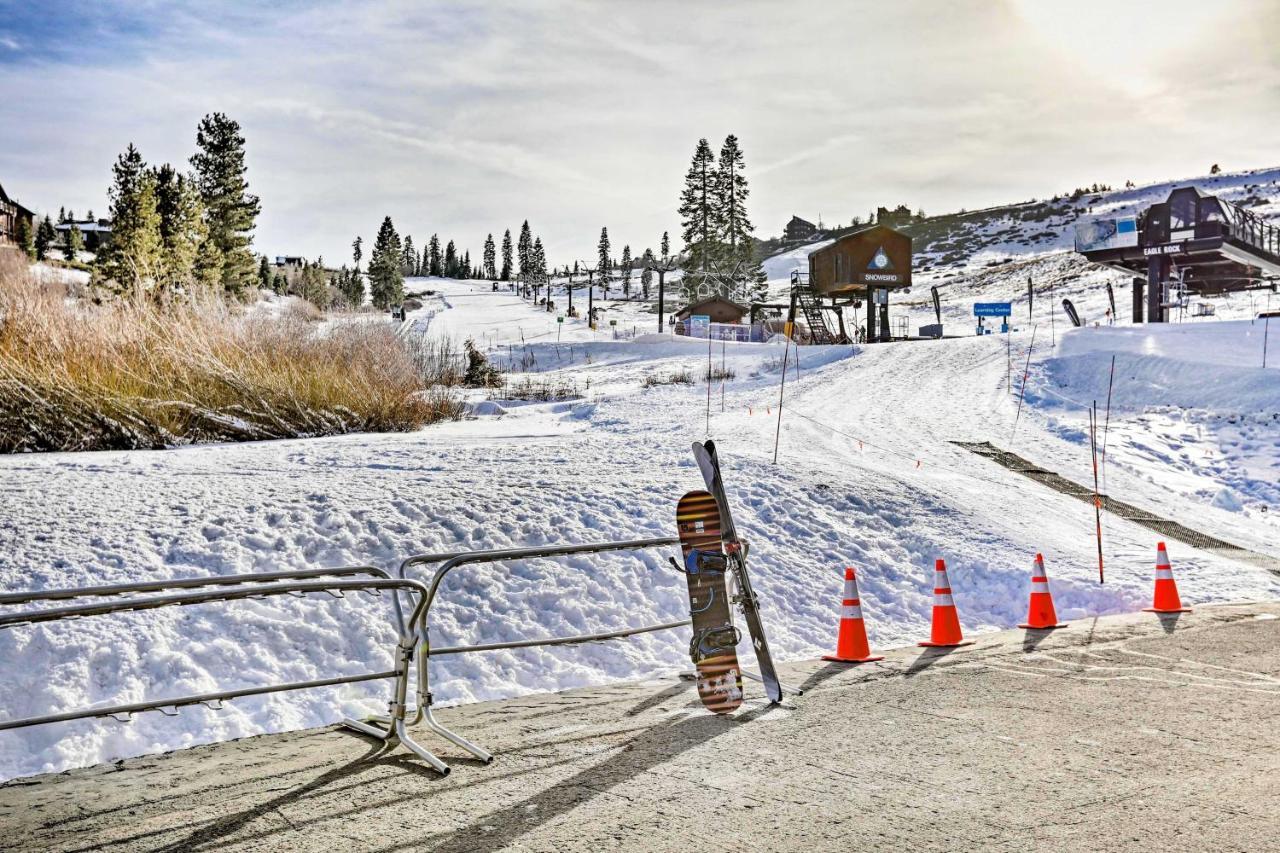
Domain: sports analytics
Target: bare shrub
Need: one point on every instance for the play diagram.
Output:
(539, 390)
(678, 377)
(134, 374)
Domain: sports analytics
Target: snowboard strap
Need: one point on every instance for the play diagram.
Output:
(715, 639)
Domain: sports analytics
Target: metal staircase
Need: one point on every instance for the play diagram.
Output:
(807, 300)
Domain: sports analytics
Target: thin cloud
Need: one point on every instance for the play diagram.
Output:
(465, 119)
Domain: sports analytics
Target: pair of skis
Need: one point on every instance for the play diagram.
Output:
(713, 550)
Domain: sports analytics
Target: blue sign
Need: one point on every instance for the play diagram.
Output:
(992, 309)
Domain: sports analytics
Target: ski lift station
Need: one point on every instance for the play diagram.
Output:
(1189, 244)
(858, 269)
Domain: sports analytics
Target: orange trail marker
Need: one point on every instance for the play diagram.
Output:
(851, 638)
(1040, 613)
(1166, 598)
(946, 621)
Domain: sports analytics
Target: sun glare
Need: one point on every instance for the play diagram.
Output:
(1129, 46)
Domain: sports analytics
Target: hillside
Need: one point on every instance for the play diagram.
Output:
(989, 254)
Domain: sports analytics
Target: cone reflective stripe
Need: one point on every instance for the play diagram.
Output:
(851, 638)
(1040, 612)
(946, 621)
(1166, 598)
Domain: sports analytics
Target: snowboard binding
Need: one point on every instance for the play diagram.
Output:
(710, 642)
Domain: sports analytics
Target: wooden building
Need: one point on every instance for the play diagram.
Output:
(877, 257)
(864, 265)
(11, 214)
(798, 230)
(719, 309)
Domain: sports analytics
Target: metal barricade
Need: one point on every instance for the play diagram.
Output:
(449, 561)
(334, 582)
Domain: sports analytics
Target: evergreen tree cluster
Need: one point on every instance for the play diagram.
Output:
(175, 231)
(720, 253)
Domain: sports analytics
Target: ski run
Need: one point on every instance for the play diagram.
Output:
(867, 475)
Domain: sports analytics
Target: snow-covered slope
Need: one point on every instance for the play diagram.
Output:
(866, 476)
(989, 255)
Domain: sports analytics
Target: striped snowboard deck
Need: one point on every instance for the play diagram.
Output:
(719, 676)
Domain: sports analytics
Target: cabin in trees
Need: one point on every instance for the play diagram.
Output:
(96, 232)
(798, 230)
(11, 215)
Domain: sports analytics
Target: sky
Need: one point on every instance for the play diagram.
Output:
(465, 119)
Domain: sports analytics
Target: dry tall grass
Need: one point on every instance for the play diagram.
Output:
(125, 375)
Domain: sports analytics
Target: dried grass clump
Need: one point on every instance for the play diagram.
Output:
(135, 374)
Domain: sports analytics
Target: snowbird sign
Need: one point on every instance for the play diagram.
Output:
(992, 309)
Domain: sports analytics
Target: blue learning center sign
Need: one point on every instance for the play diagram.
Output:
(992, 309)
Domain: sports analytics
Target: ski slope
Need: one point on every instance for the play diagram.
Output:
(866, 476)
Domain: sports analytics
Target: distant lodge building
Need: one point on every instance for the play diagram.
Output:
(96, 232)
(798, 230)
(11, 215)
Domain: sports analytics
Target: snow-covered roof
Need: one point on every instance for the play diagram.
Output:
(87, 225)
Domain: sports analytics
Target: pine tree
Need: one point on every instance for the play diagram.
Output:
(665, 247)
(386, 278)
(698, 215)
(523, 249)
(408, 257)
(182, 226)
(71, 215)
(490, 257)
(230, 211)
(264, 273)
(602, 252)
(626, 271)
(312, 284)
(26, 240)
(62, 216)
(434, 265)
(357, 251)
(734, 229)
(450, 261)
(506, 255)
(466, 264)
(352, 286)
(74, 244)
(46, 235)
(646, 274)
(538, 263)
(132, 262)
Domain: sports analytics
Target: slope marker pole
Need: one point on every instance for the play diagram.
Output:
(1097, 499)
(1107, 423)
(1022, 392)
(777, 431)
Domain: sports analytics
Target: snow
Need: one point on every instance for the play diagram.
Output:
(867, 475)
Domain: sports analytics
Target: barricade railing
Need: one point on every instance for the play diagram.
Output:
(447, 562)
(334, 582)
(414, 631)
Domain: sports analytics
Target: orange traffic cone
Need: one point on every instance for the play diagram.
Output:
(1040, 613)
(946, 621)
(851, 639)
(1166, 597)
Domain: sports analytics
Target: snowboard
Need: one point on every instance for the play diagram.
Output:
(713, 648)
(736, 555)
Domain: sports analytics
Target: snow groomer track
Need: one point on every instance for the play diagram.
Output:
(1165, 527)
